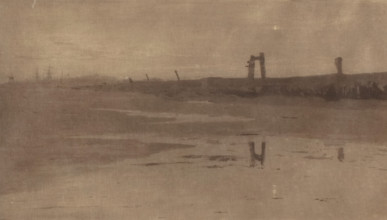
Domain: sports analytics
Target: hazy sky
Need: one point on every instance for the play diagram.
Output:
(197, 37)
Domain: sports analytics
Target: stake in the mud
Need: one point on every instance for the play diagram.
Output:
(61, 77)
(262, 63)
(251, 68)
(147, 77)
(37, 76)
(254, 156)
(177, 75)
(339, 65)
(11, 79)
(49, 73)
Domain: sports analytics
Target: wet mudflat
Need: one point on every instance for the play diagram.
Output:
(66, 160)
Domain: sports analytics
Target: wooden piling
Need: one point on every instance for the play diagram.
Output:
(339, 65)
(37, 76)
(251, 68)
(49, 73)
(177, 75)
(11, 79)
(262, 64)
(147, 77)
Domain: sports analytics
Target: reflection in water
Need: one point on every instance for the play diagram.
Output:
(340, 154)
(257, 157)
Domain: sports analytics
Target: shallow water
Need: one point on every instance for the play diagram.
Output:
(275, 177)
(120, 164)
(246, 175)
(180, 117)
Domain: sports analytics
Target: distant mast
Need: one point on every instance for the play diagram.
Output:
(37, 76)
(11, 78)
(49, 74)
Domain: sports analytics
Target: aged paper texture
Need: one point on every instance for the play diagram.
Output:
(193, 109)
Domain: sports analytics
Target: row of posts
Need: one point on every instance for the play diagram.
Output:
(261, 58)
(148, 79)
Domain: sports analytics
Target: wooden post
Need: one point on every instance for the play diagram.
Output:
(37, 77)
(49, 74)
(251, 68)
(11, 79)
(147, 77)
(61, 77)
(177, 75)
(339, 67)
(263, 68)
(339, 77)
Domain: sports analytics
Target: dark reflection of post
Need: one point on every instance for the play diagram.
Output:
(340, 154)
(257, 157)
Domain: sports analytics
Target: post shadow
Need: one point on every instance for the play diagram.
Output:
(340, 154)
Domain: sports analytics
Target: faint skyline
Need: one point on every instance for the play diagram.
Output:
(199, 38)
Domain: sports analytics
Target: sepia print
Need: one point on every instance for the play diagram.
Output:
(193, 109)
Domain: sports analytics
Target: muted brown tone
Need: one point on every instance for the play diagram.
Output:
(198, 38)
(95, 147)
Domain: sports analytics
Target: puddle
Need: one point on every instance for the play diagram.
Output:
(323, 157)
(200, 102)
(300, 151)
(300, 156)
(248, 134)
(289, 117)
(174, 118)
(324, 199)
(109, 150)
(220, 212)
(214, 166)
(158, 164)
(221, 158)
(143, 137)
(193, 156)
(268, 169)
(77, 156)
